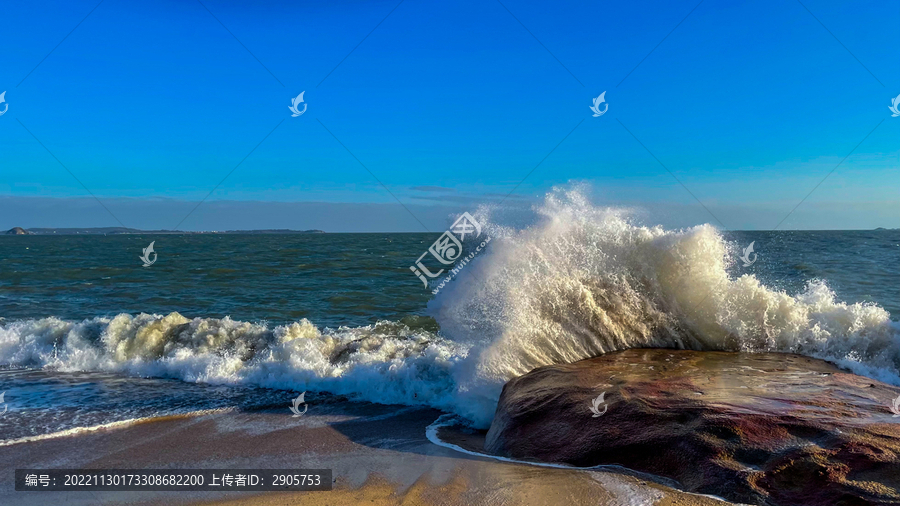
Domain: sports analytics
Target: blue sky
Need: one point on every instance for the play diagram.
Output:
(749, 104)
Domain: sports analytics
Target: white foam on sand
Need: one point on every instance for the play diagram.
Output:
(121, 424)
(626, 493)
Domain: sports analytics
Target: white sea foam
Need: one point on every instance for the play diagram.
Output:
(103, 426)
(580, 282)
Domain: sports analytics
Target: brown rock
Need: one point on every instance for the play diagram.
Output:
(769, 428)
(17, 231)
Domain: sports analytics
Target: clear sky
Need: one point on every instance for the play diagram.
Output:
(448, 104)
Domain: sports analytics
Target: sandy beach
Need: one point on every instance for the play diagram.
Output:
(380, 456)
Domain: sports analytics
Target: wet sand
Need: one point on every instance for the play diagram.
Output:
(380, 456)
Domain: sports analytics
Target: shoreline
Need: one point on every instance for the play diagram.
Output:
(458, 442)
(120, 424)
(380, 455)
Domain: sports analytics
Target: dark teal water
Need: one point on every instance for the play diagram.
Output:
(859, 265)
(331, 279)
(347, 279)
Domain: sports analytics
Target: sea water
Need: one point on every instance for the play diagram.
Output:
(89, 336)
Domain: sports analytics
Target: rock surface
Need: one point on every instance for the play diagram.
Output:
(770, 428)
(17, 231)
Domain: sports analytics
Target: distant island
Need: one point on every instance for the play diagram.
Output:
(123, 230)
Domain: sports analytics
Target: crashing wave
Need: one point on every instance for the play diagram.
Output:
(580, 282)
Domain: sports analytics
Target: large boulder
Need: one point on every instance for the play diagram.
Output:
(767, 428)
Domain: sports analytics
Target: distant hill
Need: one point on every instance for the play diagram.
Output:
(123, 230)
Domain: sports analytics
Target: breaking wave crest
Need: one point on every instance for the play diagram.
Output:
(387, 362)
(580, 282)
(585, 281)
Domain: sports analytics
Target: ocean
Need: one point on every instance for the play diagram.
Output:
(89, 337)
